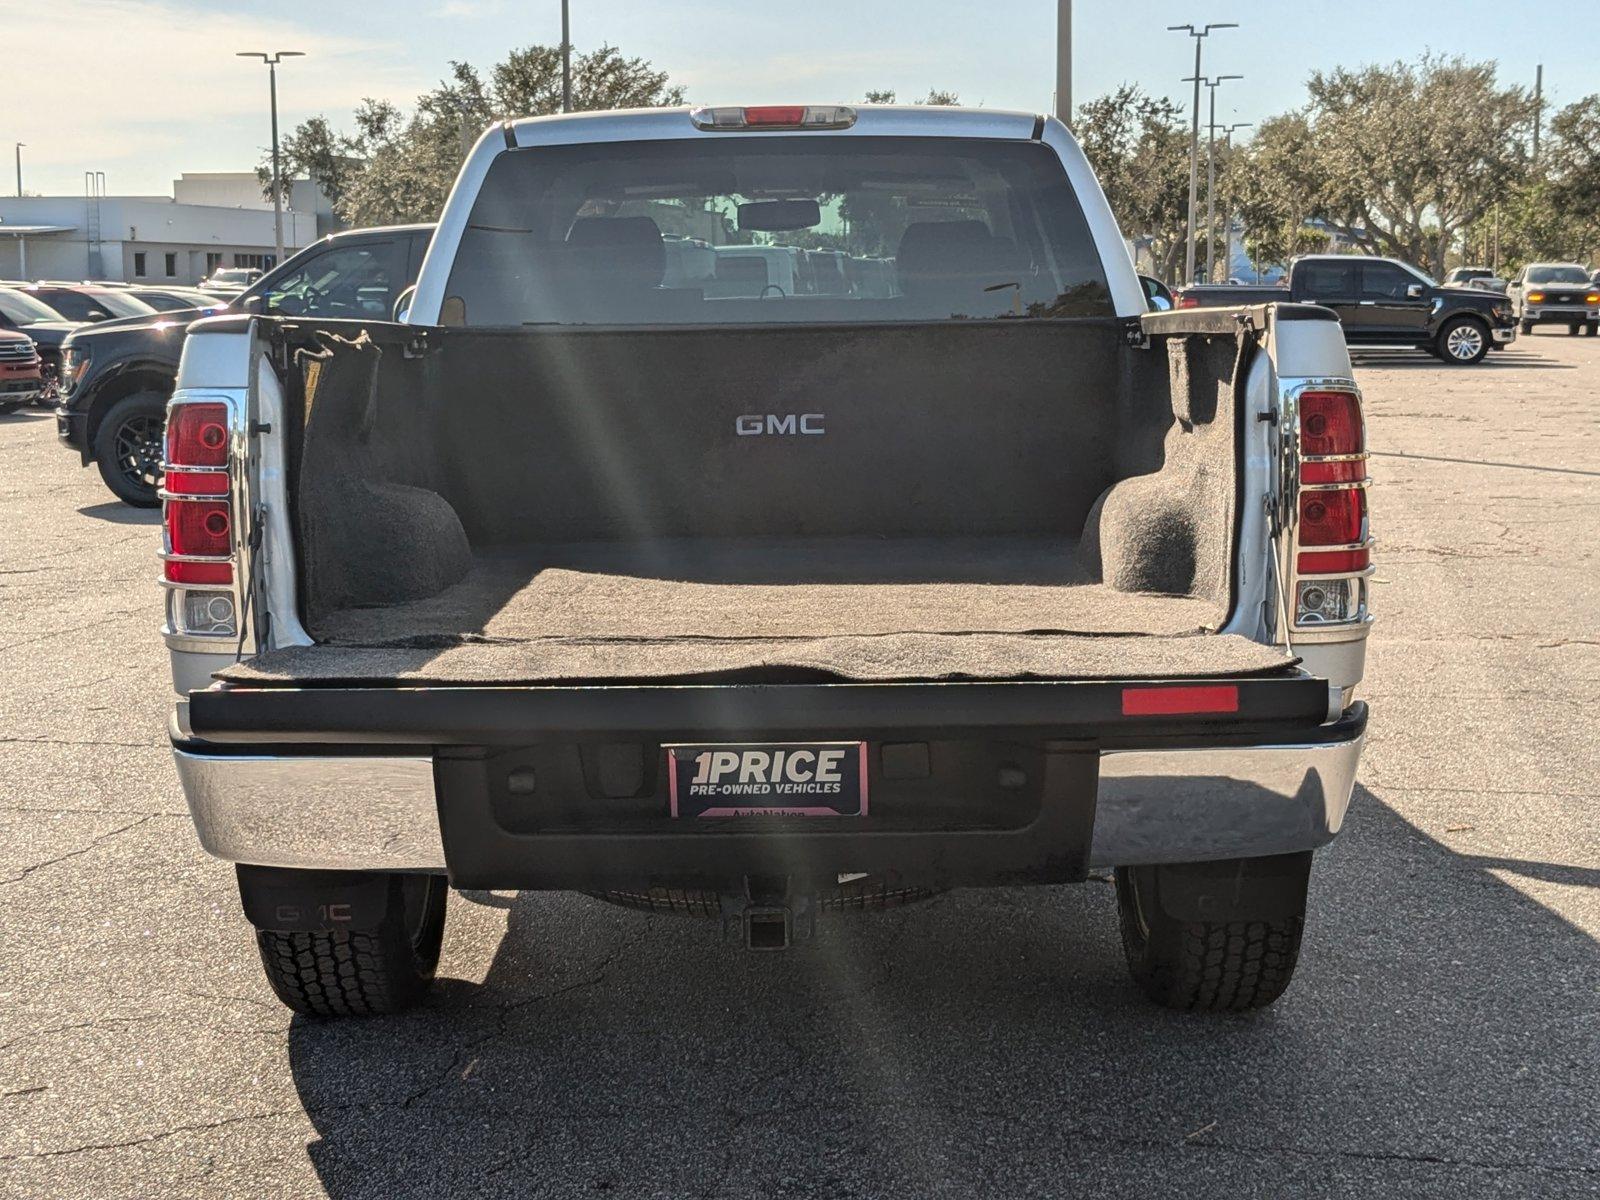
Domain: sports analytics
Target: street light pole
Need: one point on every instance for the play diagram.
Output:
(1227, 216)
(1538, 109)
(566, 59)
(1211, 177)
(272, 61)
(1064, 61)
(20, 145)
(1194, 136)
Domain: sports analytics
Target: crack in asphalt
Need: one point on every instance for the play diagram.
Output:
(1186, 1145)
(140, 1019)
(94, 844)
(90, 812)
(56, 633)
(458, 1068)
(46, 741)
(1478, 462)
(175, 1131)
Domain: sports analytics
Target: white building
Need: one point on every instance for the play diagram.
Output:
(212, 220)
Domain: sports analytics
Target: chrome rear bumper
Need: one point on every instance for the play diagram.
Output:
(359, 812)
(1166, 806)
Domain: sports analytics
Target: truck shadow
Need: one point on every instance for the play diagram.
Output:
(1498, 360)
(978, 1044)
(115, 512)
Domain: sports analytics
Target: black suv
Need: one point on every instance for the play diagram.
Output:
(116, 376)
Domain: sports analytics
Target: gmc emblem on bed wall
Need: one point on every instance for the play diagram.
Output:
(756, 424)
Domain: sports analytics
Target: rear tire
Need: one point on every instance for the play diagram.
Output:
(1574, 330)
(128, 448)
(362, 974)
(1526, 327)
(1463, 341)
(1217, 965)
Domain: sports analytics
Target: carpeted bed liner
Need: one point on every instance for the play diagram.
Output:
(771, 609)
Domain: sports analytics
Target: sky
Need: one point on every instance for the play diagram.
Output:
(146, 89)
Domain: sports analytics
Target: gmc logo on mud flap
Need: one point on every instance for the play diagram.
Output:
(774, 424)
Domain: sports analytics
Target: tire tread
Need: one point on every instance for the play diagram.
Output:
(1209, 966)
(336, 974)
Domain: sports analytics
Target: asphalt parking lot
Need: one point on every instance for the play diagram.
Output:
(1442, 1037)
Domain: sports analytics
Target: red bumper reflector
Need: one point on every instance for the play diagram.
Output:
(199, 572)
(1352, 471)
(1333, 562)
(1179, 701)
(196, 483)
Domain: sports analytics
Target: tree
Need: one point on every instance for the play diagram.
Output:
(934, 96)
(1553, 213)
(396, 168)
(528, 82)
(1398, 159)
(312, 151)
(1140, 152)
(1574, 175)
(1273, 180)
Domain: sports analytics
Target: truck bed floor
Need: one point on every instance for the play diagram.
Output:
(770, 609)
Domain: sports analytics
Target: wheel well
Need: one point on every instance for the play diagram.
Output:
(120, 388)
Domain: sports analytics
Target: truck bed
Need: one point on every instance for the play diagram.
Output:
(764, 609)
(1027, 501)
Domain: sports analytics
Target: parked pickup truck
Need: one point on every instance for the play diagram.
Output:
(116, 376)
(1556, 294)
(1382, 302)
(20, 382)
(768, 608)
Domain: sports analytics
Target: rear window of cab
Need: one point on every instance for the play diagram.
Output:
(775, 229)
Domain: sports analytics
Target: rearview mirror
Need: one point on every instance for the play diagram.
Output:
(778, 216)
(1414, 291)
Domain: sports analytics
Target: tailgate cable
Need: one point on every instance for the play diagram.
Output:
(257, 518)
(1277, 529)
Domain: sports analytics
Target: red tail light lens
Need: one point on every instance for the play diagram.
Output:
(198, 527)
(1330, 423)
(1334, 562)
(1331, 518)
(1188, 302)
(196, 483)
(197, 435)
(199, 572)
(774, 116)
(1353, 471)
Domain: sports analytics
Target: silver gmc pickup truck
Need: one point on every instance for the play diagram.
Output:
(759, 515)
